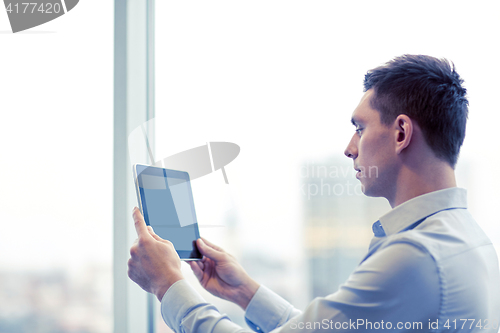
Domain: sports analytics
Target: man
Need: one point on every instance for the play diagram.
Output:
(429, 267)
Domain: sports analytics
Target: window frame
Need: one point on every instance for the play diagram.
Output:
(134, 93)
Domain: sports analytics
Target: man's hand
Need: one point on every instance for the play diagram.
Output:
(220, 274)
(154, 265)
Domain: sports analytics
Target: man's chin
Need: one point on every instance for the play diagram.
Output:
(373, 194)
(369, 191)
(363, 188)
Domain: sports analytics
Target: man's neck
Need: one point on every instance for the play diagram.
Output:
(413, 182)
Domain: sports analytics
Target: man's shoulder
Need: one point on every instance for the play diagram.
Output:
(445, 234)
(449, 254)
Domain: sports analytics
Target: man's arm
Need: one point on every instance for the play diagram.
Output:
(223, 276)
(398, 284)
(396, 288)
(155, 266)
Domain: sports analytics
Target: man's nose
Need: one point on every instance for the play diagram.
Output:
(351, 150)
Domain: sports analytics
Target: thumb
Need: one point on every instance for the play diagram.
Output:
(209, 250)
(140, 224)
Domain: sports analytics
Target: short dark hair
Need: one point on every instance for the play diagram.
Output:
(429, 91)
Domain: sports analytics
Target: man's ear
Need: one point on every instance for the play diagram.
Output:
(404, 132)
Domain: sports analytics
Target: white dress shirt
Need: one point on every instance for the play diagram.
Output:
(430, 268)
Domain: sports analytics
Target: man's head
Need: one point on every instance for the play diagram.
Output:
(413, 115)
(430, 92)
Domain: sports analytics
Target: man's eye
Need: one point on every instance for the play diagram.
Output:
(358, 130)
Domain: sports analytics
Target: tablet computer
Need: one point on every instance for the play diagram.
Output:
(166, 201)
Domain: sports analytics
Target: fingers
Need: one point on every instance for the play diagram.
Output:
(200, 263)
(140, 225)
(213, 252)
(197, 270)
(212, 245)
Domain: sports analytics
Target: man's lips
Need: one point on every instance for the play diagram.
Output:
(358, 173)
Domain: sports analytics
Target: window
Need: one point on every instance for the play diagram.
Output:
(280, 79)
(56, 198)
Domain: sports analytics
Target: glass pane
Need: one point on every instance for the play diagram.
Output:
(56, 198)
(280, 79)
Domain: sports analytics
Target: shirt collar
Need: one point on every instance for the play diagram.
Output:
(413, 210)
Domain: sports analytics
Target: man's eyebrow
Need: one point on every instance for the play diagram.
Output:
(354, 122)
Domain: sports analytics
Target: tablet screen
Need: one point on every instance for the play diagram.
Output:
(167, 203)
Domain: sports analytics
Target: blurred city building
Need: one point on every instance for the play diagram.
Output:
(337, 221)
(56, 301)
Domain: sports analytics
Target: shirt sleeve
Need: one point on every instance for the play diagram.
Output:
(184, 310)
(267, 310)
(397, 286)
